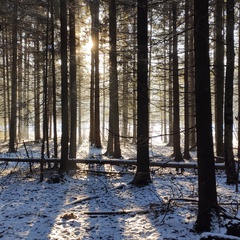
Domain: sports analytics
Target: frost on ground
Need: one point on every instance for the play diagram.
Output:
(103, 205)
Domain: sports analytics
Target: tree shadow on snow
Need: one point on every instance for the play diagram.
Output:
(101, 222)
(28, 208)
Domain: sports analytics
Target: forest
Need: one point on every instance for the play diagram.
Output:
(96, 90)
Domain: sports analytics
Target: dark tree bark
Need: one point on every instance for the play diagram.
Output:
(192, 110)
(142, 176)
(64, 87)
(73, 85)
(238, 91)
(79, 104)
(125, 84)
(219, 80)
(26, 92)
(97, 87)
(20, 94)
(37, 134)
(95, 138)
(45, 139)
(134, 87)
(92, 92)
(176, 116)
(125, 100)
(104, 97)
(54, 93)
(170, 81)
(207, 204)
(13, 121)
(113, 147)
(5, 83)
(8, 72)
(228, 113)
(186, 85)
(165, 121)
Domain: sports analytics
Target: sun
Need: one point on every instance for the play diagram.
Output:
(88, 46)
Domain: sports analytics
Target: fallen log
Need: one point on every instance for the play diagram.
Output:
(120, 212)
(162, 164)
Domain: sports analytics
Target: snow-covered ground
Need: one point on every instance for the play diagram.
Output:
(93, 205)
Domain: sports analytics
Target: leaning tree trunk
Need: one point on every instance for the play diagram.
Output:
(207, 204)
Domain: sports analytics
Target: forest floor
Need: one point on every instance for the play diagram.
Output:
(97, 201)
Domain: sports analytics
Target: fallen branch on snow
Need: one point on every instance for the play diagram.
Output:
(81, 200)
(91, 197)
(136, 211)
(216, 236)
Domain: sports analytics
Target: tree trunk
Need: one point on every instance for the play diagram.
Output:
(79, 103)
(64, 87)
(186, 85)
(192, 110)
(73, 85)
(134, 86)
(97, 79)
(37, 134)
(165, 121)
(228, 113)
(219, 80)
(104, 97)
(45, 93)
(13, 120)
(92, 92)
(238, 91)
(142, 176)
(113, 148)
(5, 83)
(207, 204)
(170, 81)
(125, 86)
(95, 138)
(176, 116)
(54, 84)
(27, 93)
(20, 94)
